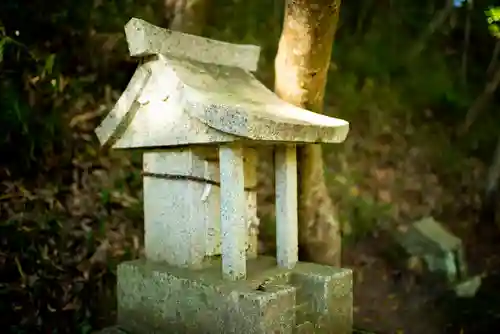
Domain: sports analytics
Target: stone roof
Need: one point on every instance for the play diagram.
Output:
(199, 91)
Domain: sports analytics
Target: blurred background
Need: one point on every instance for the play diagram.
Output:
(417, 80)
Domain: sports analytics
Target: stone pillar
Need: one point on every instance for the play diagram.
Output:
(286, 206)
(234, 231)
(253, 222)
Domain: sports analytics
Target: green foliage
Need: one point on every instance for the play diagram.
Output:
(493, 16)
(360, 212)
(46, 60)
(30, 120)
(374, 72)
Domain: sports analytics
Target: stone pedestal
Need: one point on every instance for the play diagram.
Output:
(158, 298)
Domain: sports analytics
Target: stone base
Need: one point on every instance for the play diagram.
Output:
(158, 298)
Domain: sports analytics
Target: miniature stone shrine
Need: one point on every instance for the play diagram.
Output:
(198, 114)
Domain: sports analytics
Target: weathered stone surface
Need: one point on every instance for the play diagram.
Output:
(116, 121)
(146, 39)
(327, 292)
(157, 298)
(233, 212)
(235, 102)
(442, 251)
(177, 233)
(287, 243)
(150, 113)
(209, 103)
(253, 220)
(176, 99)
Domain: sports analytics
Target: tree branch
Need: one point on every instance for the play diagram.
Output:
(481, 101)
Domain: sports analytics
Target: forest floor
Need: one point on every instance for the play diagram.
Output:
(414, 167)
(393, 175)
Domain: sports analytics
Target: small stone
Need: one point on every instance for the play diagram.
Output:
(432, 247)
(468, 288)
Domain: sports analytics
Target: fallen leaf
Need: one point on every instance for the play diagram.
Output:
(100, 255)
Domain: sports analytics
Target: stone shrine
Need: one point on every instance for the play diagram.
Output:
(198, 114)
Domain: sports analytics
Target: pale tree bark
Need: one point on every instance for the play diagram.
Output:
(188, 16)
(301, 67)
(494, 59)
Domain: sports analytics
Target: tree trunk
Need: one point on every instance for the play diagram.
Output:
(188, 16)
(301, 67)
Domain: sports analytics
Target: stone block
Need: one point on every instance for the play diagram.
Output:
(326, 293)
(158, 298)
(441, 251)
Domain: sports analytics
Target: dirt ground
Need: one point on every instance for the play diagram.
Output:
(390, 300)
(387, 300)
